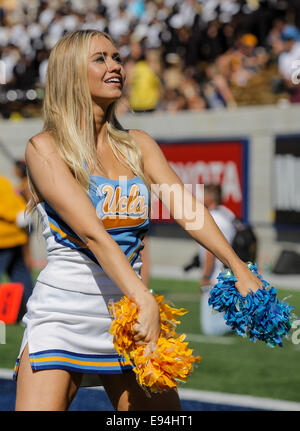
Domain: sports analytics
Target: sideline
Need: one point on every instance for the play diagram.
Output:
(6, 373)
(239, 400)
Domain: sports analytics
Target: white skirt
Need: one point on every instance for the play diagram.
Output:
(70, 330)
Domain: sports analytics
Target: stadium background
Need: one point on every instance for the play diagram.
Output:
(220, 103)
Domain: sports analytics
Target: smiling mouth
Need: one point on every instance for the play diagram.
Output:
(114, 81)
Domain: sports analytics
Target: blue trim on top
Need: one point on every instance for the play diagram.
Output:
(131, 234)
(59, 223)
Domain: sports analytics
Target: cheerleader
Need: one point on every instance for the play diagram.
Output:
(90, 181)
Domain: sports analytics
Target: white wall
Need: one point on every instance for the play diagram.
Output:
(258, 124)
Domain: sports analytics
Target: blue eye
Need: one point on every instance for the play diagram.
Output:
(118, 59)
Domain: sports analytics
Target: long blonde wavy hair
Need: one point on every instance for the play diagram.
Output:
(68, 112)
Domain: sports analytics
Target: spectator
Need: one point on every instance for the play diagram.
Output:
(238, 37)
(173, 100)
(145, 86)
(46, 15)
(289, 61)
(213, 324)
(120, 26)
(136, 8)
(191, 90)
(24, 73)
(216, 90)
(244, 61)
(55, 30)
(173, 71)
(10, 58)
(252, 56)
(274, 42)
(20, 172)
(12, 238)
(42, 60)
(212, 44)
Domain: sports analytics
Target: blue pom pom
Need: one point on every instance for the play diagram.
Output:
(259, 316)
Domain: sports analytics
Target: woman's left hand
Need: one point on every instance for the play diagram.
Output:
(247, 282)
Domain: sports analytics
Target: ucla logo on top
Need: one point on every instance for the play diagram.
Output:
(124, 205)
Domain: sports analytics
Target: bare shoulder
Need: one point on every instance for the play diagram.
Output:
(42, 143)
(154, 160)
(143, 139)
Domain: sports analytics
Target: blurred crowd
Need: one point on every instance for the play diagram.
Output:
(178, 54)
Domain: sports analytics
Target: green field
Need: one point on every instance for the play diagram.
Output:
(240, 367)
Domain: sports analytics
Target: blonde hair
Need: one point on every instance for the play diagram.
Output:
(68, 112)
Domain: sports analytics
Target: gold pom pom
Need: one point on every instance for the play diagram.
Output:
(158, 367)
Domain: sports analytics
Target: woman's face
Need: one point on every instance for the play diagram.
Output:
(106, 74)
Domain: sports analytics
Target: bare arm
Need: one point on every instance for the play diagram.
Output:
(56, 185)
(207, 232)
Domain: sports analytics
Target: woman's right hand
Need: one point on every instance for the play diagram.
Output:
(147, 328)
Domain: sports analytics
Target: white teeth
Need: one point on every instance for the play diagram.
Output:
(113, 80)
